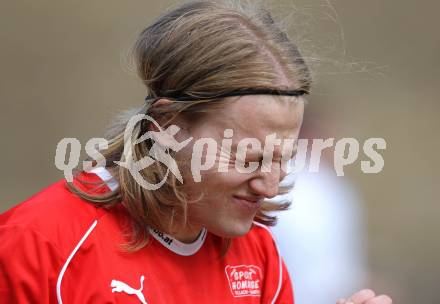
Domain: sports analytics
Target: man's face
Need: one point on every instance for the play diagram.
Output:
(231, 199)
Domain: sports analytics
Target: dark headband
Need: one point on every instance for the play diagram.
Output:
(240, 92)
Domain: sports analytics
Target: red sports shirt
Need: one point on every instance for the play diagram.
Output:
(57, 248)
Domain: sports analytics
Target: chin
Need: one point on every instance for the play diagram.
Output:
(232, 230)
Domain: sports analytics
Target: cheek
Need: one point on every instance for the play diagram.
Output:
(215, 183)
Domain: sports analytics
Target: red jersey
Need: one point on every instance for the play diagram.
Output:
(57, 248)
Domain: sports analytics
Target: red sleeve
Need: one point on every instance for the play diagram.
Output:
(29, 266)
(286, 291)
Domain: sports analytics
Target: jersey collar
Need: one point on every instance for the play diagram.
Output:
(176, 246)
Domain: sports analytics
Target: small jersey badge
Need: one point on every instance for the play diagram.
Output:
(244, 280)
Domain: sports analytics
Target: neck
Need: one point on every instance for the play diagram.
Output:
(188, 234)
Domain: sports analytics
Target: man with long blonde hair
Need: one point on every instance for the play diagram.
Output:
(228, 85)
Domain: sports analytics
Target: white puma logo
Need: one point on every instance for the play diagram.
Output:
(118, 286)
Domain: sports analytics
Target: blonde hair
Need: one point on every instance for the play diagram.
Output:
(199, 49)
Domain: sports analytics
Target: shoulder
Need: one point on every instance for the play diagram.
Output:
(261, 235)
(54, 214)
(261, 232)
(257, 242)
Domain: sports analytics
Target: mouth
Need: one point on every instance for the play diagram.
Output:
(249, 203)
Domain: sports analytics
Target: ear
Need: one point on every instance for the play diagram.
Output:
(159, 113)
(163, 118)
(161, 102)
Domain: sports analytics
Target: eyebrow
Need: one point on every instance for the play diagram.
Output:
(277, 153)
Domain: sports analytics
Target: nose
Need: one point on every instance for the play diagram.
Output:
(267, 183)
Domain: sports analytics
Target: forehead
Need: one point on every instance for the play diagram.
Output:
(258, 116)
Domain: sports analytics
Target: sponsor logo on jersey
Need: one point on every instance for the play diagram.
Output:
(244, 280)
(119, 286)
(165, 239)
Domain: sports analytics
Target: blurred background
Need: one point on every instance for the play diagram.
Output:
(65, 73)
